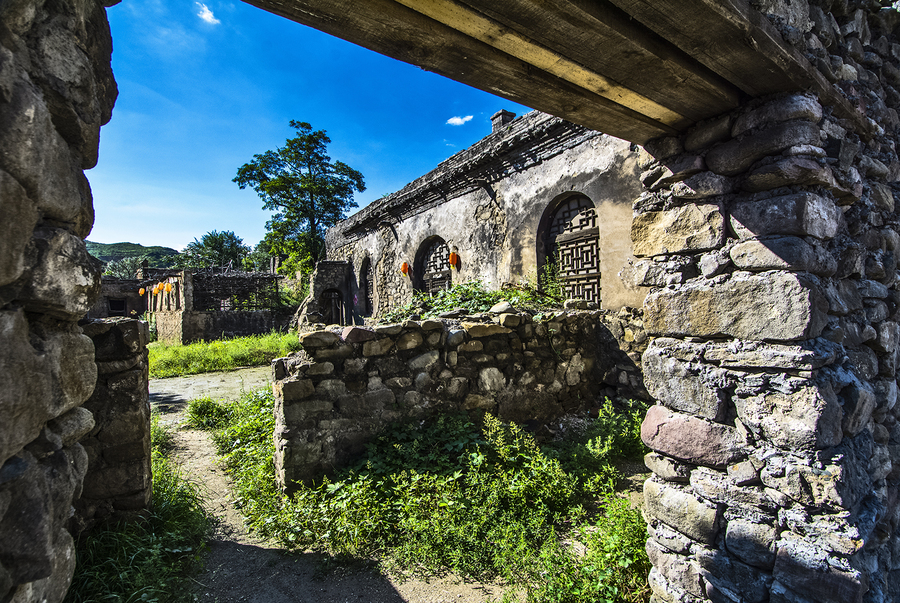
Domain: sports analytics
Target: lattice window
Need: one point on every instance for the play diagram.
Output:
(235, 291)
(574, 246)
(436, 276)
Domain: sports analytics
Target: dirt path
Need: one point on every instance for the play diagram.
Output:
(243, 568)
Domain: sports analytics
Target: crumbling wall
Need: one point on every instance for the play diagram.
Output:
(56, 89)
(350, 384)
(118, 482)
(770, 237)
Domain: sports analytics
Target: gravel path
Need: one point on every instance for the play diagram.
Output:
(243, 568)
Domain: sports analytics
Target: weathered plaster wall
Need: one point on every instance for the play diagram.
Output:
(56, 89)
(114, 288)
(118, 482)
(348, 385)
(491, 209)
(770, 238)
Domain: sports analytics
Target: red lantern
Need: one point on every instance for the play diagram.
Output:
(141, 291)
(454, 259)
(168, 287)
(404, 268)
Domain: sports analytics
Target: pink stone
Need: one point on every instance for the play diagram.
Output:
(691, 439)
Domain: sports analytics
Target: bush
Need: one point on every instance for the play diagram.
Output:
(149, 559)
(445, 494)
(256, 350)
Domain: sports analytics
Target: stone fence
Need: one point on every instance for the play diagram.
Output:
(349, 384)
(118, 480)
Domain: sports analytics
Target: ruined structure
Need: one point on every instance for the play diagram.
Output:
(767, 238)
(536, 188)
(211, 304)
(118, 297)
(350, 384)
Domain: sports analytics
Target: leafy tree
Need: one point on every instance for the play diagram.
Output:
(308, 192)
(124, 268)
(258, 259)
(214, 249)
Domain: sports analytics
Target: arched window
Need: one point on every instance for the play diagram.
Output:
(332, 306)
(367, 287)
(433, 266)
(571, 247)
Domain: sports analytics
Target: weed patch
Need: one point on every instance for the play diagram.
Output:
(256, 350)
(485, 502)
(147, 560)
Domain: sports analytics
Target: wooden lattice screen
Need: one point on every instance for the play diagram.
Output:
(574, 245)
(235, 291)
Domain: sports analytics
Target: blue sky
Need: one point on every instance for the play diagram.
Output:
(205, 86)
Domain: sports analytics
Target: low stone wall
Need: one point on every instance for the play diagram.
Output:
(118, 481)
(349, 384)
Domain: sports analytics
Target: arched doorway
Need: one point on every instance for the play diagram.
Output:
(433, 266)
(367, 288)
(332, 306)
(570, 244)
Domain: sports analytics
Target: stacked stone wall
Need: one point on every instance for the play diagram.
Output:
(348, 385)
(118, 482)
(770, 240)
(56, 89)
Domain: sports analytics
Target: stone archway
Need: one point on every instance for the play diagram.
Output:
(569, 240)
(432, 268)
(367, 287)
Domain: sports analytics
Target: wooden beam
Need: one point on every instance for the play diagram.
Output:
(476, 25)
(407, 35)
(603, 39)
(740, 44)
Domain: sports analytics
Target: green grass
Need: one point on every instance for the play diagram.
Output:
(484, 501)
(473, 297)
(256, 350)
(147, 560)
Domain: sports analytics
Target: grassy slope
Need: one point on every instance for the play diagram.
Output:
(158, 256)
(256, 350)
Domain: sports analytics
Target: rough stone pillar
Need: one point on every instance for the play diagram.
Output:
(56, 89)
(769, 238)
(118, 482)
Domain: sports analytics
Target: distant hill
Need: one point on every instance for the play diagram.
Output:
(159, 257)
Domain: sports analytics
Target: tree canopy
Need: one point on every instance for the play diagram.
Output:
(214, 249)
(308, 192)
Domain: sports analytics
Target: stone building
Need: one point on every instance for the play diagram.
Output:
(211, 304)
(118, 297)
(537, 186)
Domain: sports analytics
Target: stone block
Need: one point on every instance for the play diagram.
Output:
(509, 321)
(477, 329)
(752, 542)
(702, 186)
(691, 439)
(409, 341)
(425, 361)
(687, 228)
(491, 380)
(320, 369)
(689, 387)
(476, 402)
(63, 278)
(293, 389)
(318, 339)
(735, 156)
(357, 334)
(799, 214)
(432, 325)
(881, 196)
(859, 402)
(723, 574)
(808, 418)
(379, 399)
(679, 570)
(19, 220)
(666, 468)
(682, 511)
(377, 347)
(708, 133)
(775, 305)
(455, 337)
(331, 388)
(792, 171)
(803, 567)
(795, 106)
(389, 330)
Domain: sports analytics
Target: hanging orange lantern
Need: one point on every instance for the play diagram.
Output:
(168, 287)
(404, 267)
(141, 291)
(454, 259)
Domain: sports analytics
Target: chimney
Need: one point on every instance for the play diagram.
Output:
(500, 119)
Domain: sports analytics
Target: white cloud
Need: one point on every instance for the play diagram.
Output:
(458, 121)
(206, 14)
